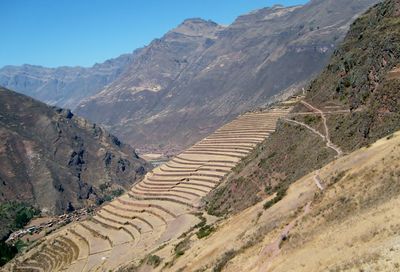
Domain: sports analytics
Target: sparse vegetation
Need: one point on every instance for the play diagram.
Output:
(280, 193)
(270, 168)
(311, 119)
(338, 177)
(357, 78)
(202, 222)
(108, 195)
(181, 247)
(154, 260)
(224, 260)
(205, 231)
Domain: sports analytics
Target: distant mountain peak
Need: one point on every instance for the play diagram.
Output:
(277, 6)
(197, 27)
(198, 20)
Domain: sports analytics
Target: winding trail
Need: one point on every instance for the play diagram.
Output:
(307, 126)
(327, 136)
(272, 250)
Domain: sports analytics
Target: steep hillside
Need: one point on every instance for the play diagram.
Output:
(356, 97)
(363, 77)
(56, 161)
(205, 74)
(63, 86)
(352, 224)
(158, 210)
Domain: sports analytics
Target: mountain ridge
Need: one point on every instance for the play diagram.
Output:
(237, 71)
(202, 81)
(63, 86)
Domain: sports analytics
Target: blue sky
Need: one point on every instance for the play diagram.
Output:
(82, 32)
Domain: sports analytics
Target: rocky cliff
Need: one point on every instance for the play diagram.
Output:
(200, 75)
(56, 161)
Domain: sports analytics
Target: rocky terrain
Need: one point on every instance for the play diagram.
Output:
(56, 161)
(285, 207)
(306, 184)
(184, 85)
(358, 91)
(236, 68)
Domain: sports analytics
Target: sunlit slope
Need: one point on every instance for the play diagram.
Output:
(156, 210)
(343, 217)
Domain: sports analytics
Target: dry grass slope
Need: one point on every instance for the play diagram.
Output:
(157, 210)
(352, 225)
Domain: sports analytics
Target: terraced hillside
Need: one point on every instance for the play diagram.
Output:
(156, 210)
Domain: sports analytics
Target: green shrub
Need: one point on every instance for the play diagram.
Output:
(280, 193)
(204, 231)
(154, 260)
(268, 189)
(202, 222)
(181, 247)
(7, 252)
(20, 245)
(117, 192)
(338, 177)
(224, 260)
(104, 186)
(15, 215)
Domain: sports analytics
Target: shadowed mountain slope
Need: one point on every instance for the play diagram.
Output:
(56, 161)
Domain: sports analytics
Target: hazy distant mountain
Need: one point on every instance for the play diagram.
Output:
(54, 160)
(199, 75)
(62, 86)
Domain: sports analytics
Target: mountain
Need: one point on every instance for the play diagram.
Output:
(322, 192)
(200, 75)
(306, 184)
(62, 86)
(358, 91)
(56, 161)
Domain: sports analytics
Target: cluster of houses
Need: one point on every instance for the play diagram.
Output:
(52, 224)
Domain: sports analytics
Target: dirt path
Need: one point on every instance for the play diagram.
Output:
(272, 250)
(307, 126)
(317, 113)
(327, 136)
(329, 144)
(317, 180)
